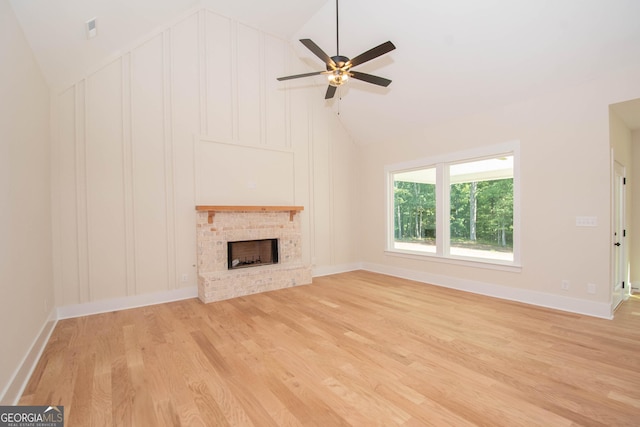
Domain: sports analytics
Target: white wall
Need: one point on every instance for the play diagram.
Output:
(634, 190)
(26, 289)
(565, 166)
(127, 143)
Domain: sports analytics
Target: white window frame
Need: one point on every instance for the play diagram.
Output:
(441, 164)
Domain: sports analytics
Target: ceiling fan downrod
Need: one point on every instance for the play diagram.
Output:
(337, 31)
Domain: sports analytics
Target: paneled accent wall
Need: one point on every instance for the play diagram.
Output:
(124, 155)
(236, 174)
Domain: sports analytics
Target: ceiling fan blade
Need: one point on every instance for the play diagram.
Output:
(297, 76)
(331, 90)
(380, 81)
(372, 53)
(318, 52)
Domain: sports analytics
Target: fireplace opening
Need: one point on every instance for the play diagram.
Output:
(252, 253)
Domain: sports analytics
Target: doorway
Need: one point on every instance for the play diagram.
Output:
(620, 282)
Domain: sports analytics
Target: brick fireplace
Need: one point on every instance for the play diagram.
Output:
(219, 225)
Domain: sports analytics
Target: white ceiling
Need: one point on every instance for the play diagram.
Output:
(55, 28)
(459, 57)
(453, 57)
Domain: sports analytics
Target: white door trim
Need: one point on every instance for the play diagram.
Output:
(619, 292)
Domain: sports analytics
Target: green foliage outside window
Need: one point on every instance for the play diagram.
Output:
(481, 213)
(493, 222)
(414, 210)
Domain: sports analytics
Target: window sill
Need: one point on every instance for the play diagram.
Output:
(463, 261)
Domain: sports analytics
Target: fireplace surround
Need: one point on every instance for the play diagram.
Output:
(219, 225)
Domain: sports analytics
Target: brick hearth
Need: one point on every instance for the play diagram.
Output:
(216, 225)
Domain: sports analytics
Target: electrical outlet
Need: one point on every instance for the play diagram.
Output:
(565, 285)
(591, 288)
(184, 277)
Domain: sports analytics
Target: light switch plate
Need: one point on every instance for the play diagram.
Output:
(586, 221)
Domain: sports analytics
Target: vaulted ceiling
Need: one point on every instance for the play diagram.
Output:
(453, 57)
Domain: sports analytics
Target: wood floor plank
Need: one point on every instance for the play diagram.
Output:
(101, 400)
(359, 349)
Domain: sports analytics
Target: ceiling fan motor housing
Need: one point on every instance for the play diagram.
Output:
(340, 62)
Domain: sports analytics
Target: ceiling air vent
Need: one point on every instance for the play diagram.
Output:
(91, 28)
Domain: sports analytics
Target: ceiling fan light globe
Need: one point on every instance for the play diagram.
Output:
(337, 78)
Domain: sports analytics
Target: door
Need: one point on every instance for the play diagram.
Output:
(620, 282)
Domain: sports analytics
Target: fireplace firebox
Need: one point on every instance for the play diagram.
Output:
(252, 253)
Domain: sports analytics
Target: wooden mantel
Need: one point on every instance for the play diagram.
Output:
(213, 209)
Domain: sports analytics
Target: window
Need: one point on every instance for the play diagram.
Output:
(462, 207)
(414, 210)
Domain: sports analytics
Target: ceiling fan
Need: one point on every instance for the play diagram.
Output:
(339, 68)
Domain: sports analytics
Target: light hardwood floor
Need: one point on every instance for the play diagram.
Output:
(356, 349)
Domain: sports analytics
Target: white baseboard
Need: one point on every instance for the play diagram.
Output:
(14, 389)
(557, 302)
(334, 269)
(125, 303)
